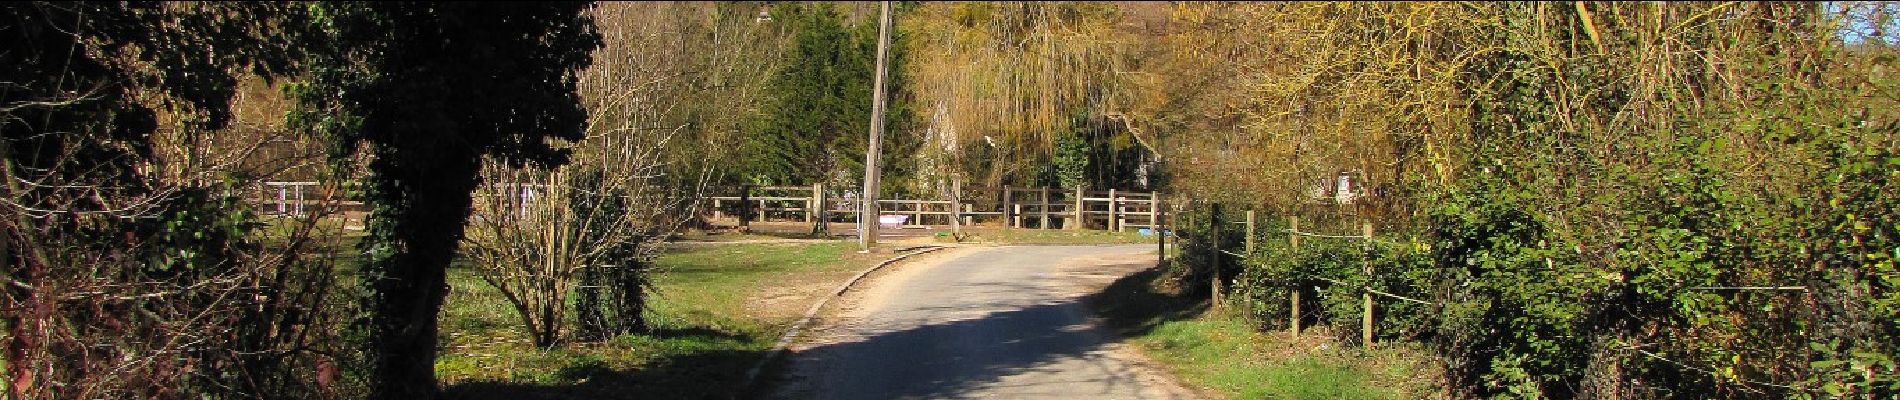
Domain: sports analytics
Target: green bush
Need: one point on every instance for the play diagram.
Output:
(1329, 272)
(1203, 251)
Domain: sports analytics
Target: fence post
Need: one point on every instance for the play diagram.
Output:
(1293, 239)
(1365, 324)
(1078, 222)
(1017, 220)
(1043, 209)
(1111, 211)
(1008, 218)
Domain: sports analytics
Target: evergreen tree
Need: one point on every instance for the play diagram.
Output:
(819, 105)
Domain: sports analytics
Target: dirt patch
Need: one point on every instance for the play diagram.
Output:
(787, 296)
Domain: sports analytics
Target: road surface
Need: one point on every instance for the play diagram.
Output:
(995, 322)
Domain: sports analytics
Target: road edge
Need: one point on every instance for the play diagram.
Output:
(785, 340)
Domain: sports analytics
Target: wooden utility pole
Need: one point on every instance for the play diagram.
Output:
(956, 206)
(1249, 233)
(1043, 221)
(745, 209)
(1161, 236)
(867, 211)
(1078, 222)
(1009, 219)
(1293, 296)
(1214, 270)
(1365, 323)
(819, 211)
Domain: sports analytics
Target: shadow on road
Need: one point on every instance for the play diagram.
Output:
(952, 358)
(958, 358)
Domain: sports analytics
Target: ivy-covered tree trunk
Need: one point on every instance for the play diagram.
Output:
(411, 240)
(428, 90)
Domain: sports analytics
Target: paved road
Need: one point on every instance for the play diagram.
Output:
(1002, 322)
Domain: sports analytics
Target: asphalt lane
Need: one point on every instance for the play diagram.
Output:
(1002, 322)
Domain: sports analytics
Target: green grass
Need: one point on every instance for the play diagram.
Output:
(711, 284)
(706, 332)
(758, 234)
(1224, 355)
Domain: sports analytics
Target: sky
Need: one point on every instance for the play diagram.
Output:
(1861, 18)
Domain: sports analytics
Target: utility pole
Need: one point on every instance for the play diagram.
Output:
(867, 211)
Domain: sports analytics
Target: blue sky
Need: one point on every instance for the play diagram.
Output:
(1861, 18)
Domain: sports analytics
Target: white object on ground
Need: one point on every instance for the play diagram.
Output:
(891, 221)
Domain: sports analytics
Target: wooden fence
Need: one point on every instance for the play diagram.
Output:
(1008, 206)
(1293, 296)
(298, 199)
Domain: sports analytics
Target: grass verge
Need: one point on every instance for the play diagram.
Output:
(1223, 355)
(717, 309)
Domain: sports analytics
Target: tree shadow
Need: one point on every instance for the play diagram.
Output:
(703, 374)
(697, 332)
(1135, 304)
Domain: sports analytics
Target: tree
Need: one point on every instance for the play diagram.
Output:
(134, 269)
(660, 123)
(1008, 82)
(427, 90)
(1584, 176)
(820, 99)
(815, 96)
(583, 233)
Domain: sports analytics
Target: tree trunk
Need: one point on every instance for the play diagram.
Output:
(417, 224)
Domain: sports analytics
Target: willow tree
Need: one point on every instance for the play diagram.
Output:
(1278, 97)
(1004, 82)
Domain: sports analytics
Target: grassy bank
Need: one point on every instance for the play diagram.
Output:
(717, 309)
(1223, 355)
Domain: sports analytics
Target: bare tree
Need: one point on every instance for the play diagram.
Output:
(537, 232)
(659, 115)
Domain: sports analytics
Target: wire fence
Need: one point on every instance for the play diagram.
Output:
(1371, 295)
